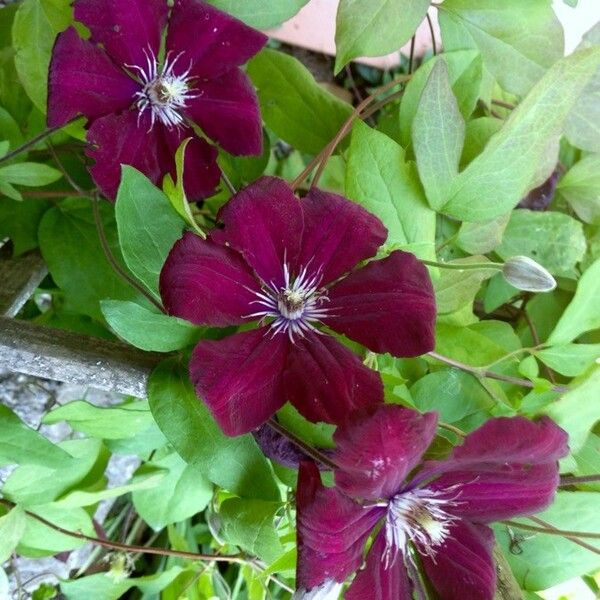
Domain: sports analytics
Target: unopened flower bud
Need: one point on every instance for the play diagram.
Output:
(525, 274)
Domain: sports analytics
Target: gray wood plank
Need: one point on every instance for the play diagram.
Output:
(18, 279)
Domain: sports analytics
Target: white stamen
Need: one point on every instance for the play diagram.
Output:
(295, 306)
(164, 93)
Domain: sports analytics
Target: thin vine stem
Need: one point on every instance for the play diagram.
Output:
(464, 266)
(503, 104)
(32, 142)
(432, 33)
(110, 257)
(564, 481)
(551, 530)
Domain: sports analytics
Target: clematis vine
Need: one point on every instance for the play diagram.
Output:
(435, 516)
(288, 264)
(140, 106)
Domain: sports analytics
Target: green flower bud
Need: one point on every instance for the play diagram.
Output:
(525, 274)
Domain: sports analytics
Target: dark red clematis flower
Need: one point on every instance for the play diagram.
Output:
(285, 262)
(507, 467)
(137, 106)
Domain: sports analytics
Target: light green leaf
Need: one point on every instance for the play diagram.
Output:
(24, 446)
(181, 493)
(554, 240)
(481, 238)
(147, 329)
(376, 27)
(10, 131)
(147, 225)
(510, 165)
(12, 527)
(293, 105)
(518, 40)
(29, 174)
(547, 560)
(570, 360)
(36, 25)
(249, 525)
(464, 74)
(578, 410)
(438, 134)
(478, 133)
(261, 14)
(583, 313)
(234, 463)
(588, 461)
(379, 178)
(581, 188)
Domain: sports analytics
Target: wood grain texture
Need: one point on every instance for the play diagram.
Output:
(18, 279)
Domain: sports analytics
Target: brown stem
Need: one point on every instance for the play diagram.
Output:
(503, 104)
(44, 195)
(432, 33)
(117, 268)
(411, 57)
(564, 481)
(549, 529)
(479, 372)
(306, 448)
(236, 558)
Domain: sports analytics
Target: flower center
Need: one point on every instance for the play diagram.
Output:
(420, 517)
(164, 94)
(295, 306)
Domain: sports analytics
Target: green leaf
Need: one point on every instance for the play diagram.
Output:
(234, 463)
(583, 123)
(71, 248)
(249, 525)
(261, 14)
(478, 133)
(293, 105)
(438, 134)
(547, 560)
(570, 360)
(147, 329)
(583, 313)
(481, 238)
(12, 527)
(10, 131)
(375, 28)
(581, 188)
(24, 446)
(20, 221)
(29, 174)
(578, 410)
(588, 461)
(181, 493)
(518, 41)
(147, 224)
(510, 165)
(554, 240)
(36, 25)
(379, 179)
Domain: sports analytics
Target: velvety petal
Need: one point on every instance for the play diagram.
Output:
(338, 234)
(376, 582)
(227, 110)
(201, 173)
(326, 381)
(378, 447)
(128, 30)
(239, 378)
(207, 283)
(388, 306)
(264, 222)
(212, 41)
(463, 567)
(83, 80)
(332, 530)
(507, 467)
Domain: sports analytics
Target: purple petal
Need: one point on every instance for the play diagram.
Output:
(212, 41)
(507, 467)
(388, 306)
(127, 30)
(378, 447)
(264, 223)
(326, 381)
(377, 582)
(239, 378)
(201, 173)
(332, 530)
(338, 234)
(83, 80)
(206, 283)
(463, 567)
(227, 110)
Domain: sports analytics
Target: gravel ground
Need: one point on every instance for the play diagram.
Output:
(30, 398)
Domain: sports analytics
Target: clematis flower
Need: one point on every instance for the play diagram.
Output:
(437, 515)
(138, 107)
(287, 263)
